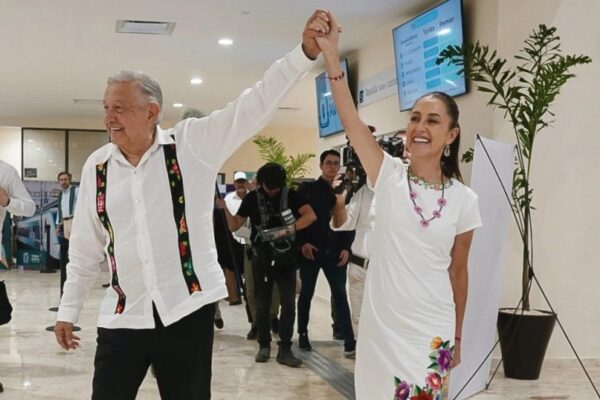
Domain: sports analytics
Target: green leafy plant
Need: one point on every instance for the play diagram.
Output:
(272, 150)
(525, 93)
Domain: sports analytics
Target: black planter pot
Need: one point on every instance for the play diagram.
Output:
(523, 341)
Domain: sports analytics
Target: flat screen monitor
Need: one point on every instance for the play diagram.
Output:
(329, 121)
(417, 44)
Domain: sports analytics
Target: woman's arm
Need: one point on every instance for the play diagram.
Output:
(459, 278)
(371, 155)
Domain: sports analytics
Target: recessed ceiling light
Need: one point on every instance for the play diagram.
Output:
(196, 81)
(177, 105)
(30, 140)
(145, 27)
(225, 42)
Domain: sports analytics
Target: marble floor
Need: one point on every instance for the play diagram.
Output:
(33, 367)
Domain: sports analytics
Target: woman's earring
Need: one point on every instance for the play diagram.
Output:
(447, 151)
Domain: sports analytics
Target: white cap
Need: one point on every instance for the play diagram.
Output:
(239, 176)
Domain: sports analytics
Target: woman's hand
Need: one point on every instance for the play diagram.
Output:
(328, 40)
(456, 355)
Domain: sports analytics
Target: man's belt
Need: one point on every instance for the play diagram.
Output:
(67, 218)
(360, 261)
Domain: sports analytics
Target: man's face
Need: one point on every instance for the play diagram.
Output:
(330, 167)
(129, 119)
(240, 186)
(64, 181)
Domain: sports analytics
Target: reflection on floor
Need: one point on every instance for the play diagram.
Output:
(33, 367)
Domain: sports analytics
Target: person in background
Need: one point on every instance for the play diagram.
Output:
(67, 199)
(145, 204)
(416, 290)
(327, 250)
(276, 213)
(14, 198)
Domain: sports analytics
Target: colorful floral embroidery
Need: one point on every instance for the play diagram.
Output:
(178, 198)
(441, 360)
(101, 170)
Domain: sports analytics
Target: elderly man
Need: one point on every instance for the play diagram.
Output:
(143, 203)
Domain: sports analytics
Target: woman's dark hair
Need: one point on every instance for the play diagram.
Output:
(450, 164)
(272, 175)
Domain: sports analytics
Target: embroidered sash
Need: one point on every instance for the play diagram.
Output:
(178, 198)
(101, 170)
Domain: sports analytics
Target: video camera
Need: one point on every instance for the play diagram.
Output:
(355, 175)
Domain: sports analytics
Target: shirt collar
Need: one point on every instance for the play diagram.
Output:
(162, 137)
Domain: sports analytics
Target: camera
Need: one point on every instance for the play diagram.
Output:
(355, 175)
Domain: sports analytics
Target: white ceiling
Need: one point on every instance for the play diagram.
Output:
(56, 51)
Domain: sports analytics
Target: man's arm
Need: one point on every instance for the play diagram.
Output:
(15, 198)
(86, 254)
(234, 222)
(307, 217)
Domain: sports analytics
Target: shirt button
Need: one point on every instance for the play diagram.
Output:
(137, 201)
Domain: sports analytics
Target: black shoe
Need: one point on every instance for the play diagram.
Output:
(252, 333)
(275, 325)
(263, 355)
(219, 323)
(285, 356)
(1, 388)
(105, 285)
(350, 350)
(338, 335)
(303, 342)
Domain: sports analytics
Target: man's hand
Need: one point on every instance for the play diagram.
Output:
(220, 203)
(308, 251)
(64, 335)
(344, 256)
(340, 197)
(317, 25)
(4, 197)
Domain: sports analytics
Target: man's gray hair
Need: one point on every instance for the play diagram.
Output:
(191, 113)
(147, 85)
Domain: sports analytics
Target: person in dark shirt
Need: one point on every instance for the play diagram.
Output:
(322, 248)
(271, 262)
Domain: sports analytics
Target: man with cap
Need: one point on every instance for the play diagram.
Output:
(275, 213)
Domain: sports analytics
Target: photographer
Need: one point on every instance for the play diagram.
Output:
(269, 207)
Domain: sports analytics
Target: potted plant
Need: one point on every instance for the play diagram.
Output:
(525, 93)
(271, 150)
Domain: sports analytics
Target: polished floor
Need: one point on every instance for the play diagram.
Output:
(33, 367)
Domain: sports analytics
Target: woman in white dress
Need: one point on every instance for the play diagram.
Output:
(416, 288)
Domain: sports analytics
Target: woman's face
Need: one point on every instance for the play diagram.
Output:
(428, 130)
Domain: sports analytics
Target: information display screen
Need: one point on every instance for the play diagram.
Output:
(329, 122)
(417, 45)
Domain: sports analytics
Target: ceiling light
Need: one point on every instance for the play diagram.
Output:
(30, 140)
(196, 81)
(225, 42)
(177, 105)
(144, 27)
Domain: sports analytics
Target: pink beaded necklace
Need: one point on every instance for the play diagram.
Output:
(441, 202)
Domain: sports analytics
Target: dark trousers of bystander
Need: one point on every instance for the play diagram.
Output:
(265, 275)
(336, 277)
(181, 354)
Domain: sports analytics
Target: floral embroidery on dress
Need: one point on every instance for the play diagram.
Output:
(441, 359)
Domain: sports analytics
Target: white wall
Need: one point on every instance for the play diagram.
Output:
(566, 162)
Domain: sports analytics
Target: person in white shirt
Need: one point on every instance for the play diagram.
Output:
(143, 201)
(14, 197)
(67, 198)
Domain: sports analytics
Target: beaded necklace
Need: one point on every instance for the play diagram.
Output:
(441, 202)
